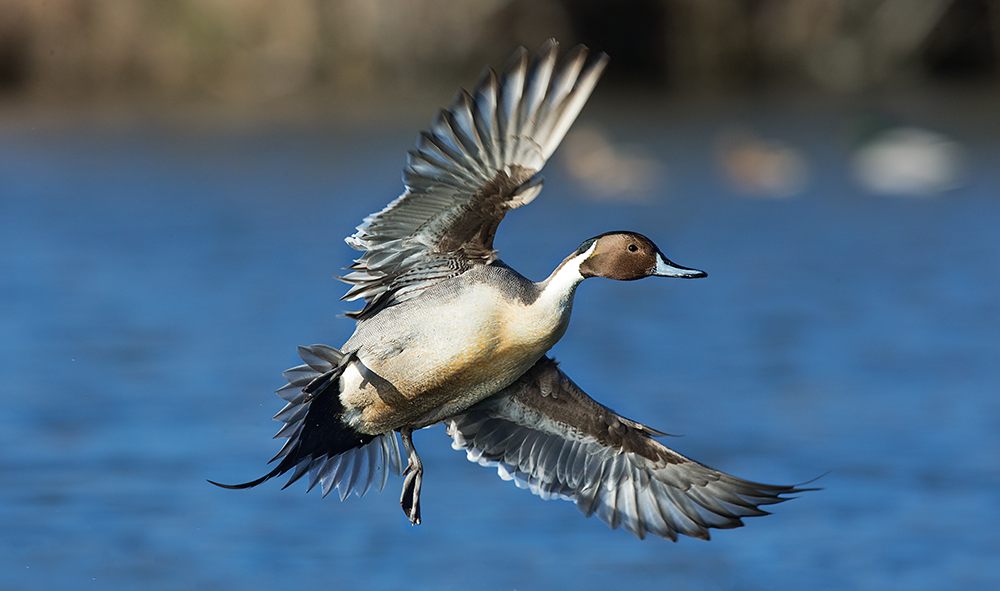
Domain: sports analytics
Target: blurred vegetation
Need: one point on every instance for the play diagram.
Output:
(258, 50)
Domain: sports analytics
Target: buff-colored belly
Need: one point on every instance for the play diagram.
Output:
(456, 359)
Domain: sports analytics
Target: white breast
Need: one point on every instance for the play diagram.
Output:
(442, 353)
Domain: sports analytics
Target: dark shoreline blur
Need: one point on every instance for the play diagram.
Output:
(243, 54)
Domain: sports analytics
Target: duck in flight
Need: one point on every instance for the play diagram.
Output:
(450, 334)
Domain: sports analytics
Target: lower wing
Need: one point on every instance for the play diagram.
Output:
(547, 435)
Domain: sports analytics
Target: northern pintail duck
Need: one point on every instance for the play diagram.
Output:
(450, 334)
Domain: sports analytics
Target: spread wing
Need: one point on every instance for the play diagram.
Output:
(479, 160)
(548, 436)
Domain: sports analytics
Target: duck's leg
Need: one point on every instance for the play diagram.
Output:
(410, 499)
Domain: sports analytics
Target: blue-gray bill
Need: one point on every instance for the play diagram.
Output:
(667, 268)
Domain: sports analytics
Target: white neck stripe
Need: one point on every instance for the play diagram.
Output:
(563, 281)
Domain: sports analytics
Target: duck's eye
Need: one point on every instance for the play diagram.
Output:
(632, 248)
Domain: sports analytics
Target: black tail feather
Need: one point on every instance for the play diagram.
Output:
(252, 483)
(318, 434)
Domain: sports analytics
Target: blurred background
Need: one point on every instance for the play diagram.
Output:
(176, 178)
(252, 51)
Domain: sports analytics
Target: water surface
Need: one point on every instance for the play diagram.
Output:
(155, 280)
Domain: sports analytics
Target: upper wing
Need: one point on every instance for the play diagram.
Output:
(479, 160)
(547, 435)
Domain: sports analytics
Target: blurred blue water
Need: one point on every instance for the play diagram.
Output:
(154, 281)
